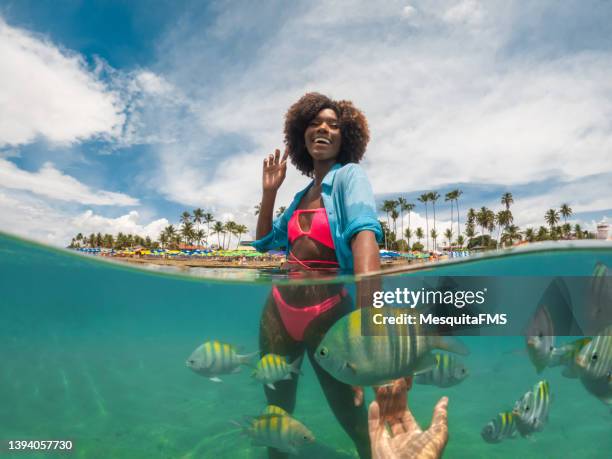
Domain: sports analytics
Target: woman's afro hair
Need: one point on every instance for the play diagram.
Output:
(353, 128)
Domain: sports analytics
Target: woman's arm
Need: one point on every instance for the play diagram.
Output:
(274, 170)
(366, 259)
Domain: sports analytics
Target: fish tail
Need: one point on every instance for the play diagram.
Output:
(295, 365)
(450, 344)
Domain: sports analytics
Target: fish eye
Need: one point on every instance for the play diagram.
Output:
(323, 352)
(551, 348)
(305, 437)
(191, 361)
(594, 357)
(463, 370)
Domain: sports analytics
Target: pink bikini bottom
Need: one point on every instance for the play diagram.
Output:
(297, 319)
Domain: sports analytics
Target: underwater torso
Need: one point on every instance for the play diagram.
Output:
(312, 254)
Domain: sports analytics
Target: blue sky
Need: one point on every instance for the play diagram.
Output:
(116, 115)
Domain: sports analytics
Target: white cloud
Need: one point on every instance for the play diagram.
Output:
(88, 222)
(52, 183)
(464, 12)
(445, 104)
(48, 92)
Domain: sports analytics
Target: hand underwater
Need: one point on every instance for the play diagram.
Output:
(396, 434)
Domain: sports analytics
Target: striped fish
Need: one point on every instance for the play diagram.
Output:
(273, 368)
(594, 362)
(500, 427)
(531, 411)
(395, 352)
(448, 371)
(598, 310)
(540, 338)
(565, 355)
(279, 431)
(273, 409)
(214, 358)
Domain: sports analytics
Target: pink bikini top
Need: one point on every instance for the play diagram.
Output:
(319, 227)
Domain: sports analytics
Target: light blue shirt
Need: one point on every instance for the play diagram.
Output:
(349, 202)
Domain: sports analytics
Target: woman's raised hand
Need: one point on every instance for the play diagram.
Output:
(274, 170)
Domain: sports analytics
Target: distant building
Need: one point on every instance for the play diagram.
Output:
(602, 230)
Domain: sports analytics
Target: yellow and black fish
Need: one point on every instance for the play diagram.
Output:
(214, 358)
(499, 428)
(531, 410)
(279, 431)
(273, 368)
(449, 370)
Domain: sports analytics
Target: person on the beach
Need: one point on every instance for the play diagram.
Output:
(331, 226)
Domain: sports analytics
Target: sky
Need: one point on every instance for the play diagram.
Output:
(117, 116)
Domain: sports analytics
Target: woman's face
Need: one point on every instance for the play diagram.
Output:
(322, 136)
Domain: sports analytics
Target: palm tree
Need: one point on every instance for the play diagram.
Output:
(208, 218)
(199, 236)
(542, 234)
(566, 230)
(408, 234)
(230, 227)
(457, 193)
(394, 215)
(424, 198)
(434, 237)
(281, 210)
(511, 234)
(419, 234)
(409, 207)
(448, 234)
(504, 218)
(507, 199)
(240, 230)
(530, 235)
(469, 230)
(185, 217)
(566, 211)
(218, 228)
(471, 215)
(387, 206)
(460, 240)
(450, 196)
(577, 231)
(433, 197)
(482, 218)
(187, 232)
(198, 215)
(403, 205)
(163, 239)
(551, 217)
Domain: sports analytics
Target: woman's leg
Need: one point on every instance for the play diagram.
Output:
(340, 396)
(273, 338)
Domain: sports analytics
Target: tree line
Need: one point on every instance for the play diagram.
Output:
(190, 232)
(484, 219)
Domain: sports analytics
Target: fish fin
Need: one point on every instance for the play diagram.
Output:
(425, 364)
(215, 379)
(271, 386)
(295, 365)
(450, 344)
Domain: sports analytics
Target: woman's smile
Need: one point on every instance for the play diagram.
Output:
(322, 136)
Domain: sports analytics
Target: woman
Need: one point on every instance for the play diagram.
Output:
(330, 226)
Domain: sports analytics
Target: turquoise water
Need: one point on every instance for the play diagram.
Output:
(95, 352)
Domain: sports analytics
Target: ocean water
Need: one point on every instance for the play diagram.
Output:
(95, 352)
